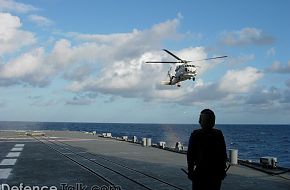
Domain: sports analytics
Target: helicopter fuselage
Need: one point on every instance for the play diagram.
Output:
(183, 72)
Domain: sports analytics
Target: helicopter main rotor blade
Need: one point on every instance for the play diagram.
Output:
(173, 62)
(183, 61)
(172, 55)
(219, 57)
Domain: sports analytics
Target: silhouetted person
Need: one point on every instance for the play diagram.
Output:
(206, 155)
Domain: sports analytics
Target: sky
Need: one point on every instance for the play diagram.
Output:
(84, 61)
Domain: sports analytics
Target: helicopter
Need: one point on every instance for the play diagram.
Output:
(185, 70)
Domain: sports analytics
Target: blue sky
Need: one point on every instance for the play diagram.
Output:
(83, 61)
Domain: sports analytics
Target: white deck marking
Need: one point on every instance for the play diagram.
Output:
(8, 162)
(19, 145)
(4, 173)
(16, 149)
(13, 154)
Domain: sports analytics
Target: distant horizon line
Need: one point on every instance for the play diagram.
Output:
(89, 122)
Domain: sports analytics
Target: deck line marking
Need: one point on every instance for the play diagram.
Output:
(16, 149)
(8, 162)
(19, 145)
(4, 173)
(13, 154)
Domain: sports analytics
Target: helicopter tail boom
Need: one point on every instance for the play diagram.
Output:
(166, 82)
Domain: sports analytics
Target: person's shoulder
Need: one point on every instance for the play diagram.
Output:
(203, 131)
(197, 131)
(217, 132)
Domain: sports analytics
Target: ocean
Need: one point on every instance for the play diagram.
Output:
(252, 141)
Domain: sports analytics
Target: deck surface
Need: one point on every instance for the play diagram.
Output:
(78, 161)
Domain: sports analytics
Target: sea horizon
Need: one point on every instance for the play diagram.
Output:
(93, 122)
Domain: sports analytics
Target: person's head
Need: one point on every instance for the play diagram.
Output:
(207, 119)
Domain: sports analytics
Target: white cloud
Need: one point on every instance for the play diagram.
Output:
(22, 66)
(286, 98)
(12, 37)
(240, 81)
(10, 5)
(133, 44)
(271, 51)
(40, 20)
(203, 92)
(264, 96)
(114, 65)
(223, 90)
(38, 67)
(161, 31)
(288, 83)
(27, 68)
(80, 101)
(277, 67)
(80, 72)
(241, 59)
(267, 100)
(45, 102)
(2, 104)
(245, 36)
(119, 54)
(135, 79)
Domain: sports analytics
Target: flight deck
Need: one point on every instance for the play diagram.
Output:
(70, 160)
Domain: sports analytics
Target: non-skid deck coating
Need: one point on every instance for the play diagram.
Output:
(46, 161)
